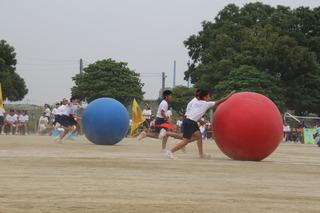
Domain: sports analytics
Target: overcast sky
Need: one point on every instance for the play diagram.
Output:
(51, 36)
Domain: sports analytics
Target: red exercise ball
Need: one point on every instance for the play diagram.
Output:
(248, 126)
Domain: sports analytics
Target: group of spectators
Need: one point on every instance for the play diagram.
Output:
(13, 122)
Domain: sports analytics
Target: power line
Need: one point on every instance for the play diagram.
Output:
(46, 59)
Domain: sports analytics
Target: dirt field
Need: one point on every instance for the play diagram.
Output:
(38, 175)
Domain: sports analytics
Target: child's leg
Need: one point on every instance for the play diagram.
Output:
(198, 136)
(183, 143)
(12, 129)
(64, 133)
(170, 134)
(146, 133)
(152, 135)
(180, 145)
(26, 128)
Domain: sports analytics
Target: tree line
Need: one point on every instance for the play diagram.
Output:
(271, 50)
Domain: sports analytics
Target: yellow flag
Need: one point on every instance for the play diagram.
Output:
(1, 99)
(137, 117)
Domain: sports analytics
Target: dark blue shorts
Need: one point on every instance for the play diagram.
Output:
(66, 121)
(189, 127)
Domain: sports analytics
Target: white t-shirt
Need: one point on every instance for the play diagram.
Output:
(147, 113)
(19, 117)
(54, 111)
(198, 109)
(23, 118)
(163, 106)
(202, 129)
(179, 123)
(72, 108)
(286, 128)
(2, 111)
(11, 118)
(190, 104)
(43, 122)
(169, 113)
(47, 111)
(63, 110)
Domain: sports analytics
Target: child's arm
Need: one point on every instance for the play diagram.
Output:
(225, 98)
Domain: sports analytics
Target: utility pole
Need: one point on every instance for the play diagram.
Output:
(174, 73)
(163, 80)
(81, 66)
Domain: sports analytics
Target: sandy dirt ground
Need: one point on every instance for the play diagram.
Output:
(39, 175)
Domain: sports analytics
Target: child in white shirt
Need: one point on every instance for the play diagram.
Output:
(190, 127)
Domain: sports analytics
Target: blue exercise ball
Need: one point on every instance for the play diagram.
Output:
(105, 121)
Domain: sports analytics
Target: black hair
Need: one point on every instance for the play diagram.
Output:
(166, 93)
(197, 93)
(203, 93)
(74, 98)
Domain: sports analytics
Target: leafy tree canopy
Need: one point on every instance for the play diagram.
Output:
(281, 42)
(248, 78)
(13, 86)
(182, 96)
(108, 78)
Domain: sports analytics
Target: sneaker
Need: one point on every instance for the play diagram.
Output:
(170, 155)
(142, 135)
(162, 133)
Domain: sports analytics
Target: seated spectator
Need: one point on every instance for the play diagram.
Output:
(47, 111)
(23, 123)
(286, 131)
(10, 123)
(2, 113)
(18, 123)
(43, 125)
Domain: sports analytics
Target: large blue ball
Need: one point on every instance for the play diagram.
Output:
(105, 121)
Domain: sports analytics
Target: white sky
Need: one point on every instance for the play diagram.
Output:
(51, 36)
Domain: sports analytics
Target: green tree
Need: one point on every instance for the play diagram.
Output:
(181, 96)
(280, 42)
(108, 78)
(14, 87)
(249, 78)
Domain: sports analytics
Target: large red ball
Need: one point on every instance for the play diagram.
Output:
(248, 126)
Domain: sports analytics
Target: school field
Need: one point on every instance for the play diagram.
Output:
(38, 175)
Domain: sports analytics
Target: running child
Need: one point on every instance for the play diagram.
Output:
(161, 117)
(176, 135)
(190, 126)
(66, 117)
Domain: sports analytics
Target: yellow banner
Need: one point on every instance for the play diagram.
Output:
(137, 118)
(1, 97)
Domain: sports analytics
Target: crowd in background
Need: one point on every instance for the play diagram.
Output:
(41, 120)
(296, 134)
(14, 122)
